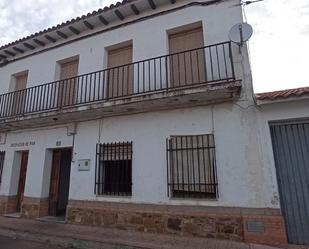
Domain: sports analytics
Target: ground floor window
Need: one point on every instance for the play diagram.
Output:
(114, 169)
(191, 166)
(2, 155)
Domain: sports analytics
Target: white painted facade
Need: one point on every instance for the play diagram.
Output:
(281, 110)
(245, 167)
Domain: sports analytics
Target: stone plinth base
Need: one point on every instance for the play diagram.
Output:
(33, 208)
(8, 204)
(272, 233)
(240, 224)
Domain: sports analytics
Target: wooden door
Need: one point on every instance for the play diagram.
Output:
(64, 182)
(120, 79)
(60, 181)
(2, 156)
(19, 96)
(67, 85)
(22, 179)
(189, 67)
(54, 183)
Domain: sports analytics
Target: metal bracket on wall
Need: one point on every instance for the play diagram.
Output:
(2, 138)
(71, 129)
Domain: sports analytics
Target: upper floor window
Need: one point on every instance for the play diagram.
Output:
(120, 79)
(67, 87)
(187, 68)
(114, 169)
(19, 81)
(18, 97)
(192, 166)
(2, 155)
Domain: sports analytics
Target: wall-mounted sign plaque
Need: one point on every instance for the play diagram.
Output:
(23, 144)
(84, 164)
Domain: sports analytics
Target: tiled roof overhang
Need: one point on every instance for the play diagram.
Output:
(67, 23)
(76, 28)
(102, 20)
(299, 93)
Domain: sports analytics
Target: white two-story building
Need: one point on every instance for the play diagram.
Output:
(139, 116)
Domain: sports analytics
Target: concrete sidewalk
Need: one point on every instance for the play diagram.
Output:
(73, 236)
(12, 243)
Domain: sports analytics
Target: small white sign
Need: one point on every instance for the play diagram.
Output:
(83, 164)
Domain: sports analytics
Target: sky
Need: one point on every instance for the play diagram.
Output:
(279, 47)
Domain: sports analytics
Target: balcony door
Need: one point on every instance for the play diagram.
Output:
(67, 84)
(189, 67)
(19, 96)
(120, 79)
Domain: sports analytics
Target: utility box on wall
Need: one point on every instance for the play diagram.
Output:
(83, 164)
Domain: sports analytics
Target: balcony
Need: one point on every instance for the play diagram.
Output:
(194, 77)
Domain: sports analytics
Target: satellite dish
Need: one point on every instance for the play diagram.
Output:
(240, 33)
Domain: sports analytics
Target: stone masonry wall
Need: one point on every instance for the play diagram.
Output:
(8, 204)
(210, 222)
(210, 226)
(2, 207)
(218, 222)
(33, 208)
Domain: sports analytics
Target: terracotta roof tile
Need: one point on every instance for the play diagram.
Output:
(63, 24)
(295, 92)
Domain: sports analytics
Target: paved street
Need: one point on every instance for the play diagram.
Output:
(85, 237)
(9, 243)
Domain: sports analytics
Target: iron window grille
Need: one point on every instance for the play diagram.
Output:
(2, 155)
(114, 169)
(191, 166)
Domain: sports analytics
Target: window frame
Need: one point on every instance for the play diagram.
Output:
(67, 86)
(116, 152)
(182, 188)
(123, 71)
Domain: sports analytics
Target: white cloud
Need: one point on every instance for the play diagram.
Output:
(22, 18)
(279, 47)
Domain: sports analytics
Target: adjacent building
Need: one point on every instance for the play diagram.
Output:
(284, 126)
(139, 116)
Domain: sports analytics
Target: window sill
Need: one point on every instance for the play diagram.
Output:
(114, 196)
(188, 199)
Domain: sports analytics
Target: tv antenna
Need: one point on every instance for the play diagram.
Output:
(240, 33)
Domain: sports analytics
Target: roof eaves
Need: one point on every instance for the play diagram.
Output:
(69, 22)
(283, 95)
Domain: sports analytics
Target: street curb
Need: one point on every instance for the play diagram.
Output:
(63, 241)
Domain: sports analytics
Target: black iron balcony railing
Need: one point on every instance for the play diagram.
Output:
(207, 65)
